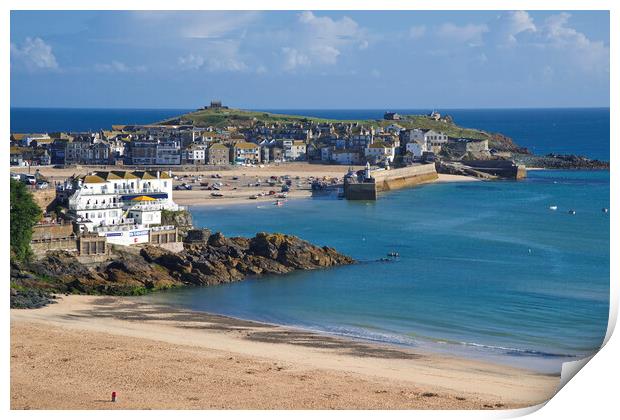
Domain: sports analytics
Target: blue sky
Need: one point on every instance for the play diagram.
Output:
(305, 59)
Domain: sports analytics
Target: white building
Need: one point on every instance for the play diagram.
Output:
(379, 152)
(416, 148)
(121, 205)
(195, 154)
(345, 157)
(433, 140)
(294, 149)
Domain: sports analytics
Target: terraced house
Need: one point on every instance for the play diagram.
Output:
(245, 152)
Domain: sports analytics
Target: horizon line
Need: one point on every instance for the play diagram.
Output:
(320, 109)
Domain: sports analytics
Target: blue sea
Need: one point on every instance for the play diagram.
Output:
(49, 120)
(486, 269)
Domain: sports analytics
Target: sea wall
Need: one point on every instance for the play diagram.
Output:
(360, 191)
(388, 180)
(409, 176)
(500, 168)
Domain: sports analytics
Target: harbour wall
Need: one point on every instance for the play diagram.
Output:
(501, 168)
(409, 176)
(388, 180)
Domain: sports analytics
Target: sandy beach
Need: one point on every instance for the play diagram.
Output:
(238, 183)
(73, 354)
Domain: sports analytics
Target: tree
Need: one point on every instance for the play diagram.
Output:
(24, 215)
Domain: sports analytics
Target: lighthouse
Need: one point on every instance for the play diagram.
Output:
(367, 171)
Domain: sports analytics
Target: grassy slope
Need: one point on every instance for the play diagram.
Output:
(240, 118)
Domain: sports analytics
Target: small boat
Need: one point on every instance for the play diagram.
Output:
(553, 208)
(572, 212)
(278, 203)
(605, 210)
(393, 254)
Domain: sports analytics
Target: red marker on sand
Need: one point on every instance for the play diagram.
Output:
(113, 396)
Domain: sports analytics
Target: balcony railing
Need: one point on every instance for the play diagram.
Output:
(95, 206)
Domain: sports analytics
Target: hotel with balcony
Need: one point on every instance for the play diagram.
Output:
(120, 205)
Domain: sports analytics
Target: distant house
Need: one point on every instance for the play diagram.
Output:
(245, 152)
(100, 153)
(194, 155)
(346, 157)
(17, 158)
(360, 141)
(379, 152)
(27, 139)
(168, 152)
(464, 146)
(276, 154)
(57, 152)
(391, 116)
(45, 159)
(77, 152)
(326, 153)
(216, 105)
(294, 149)
(218, 154)
(143, 152)
(433, 140)
(416, 148)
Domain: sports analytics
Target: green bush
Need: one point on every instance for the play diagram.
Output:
(24, 215)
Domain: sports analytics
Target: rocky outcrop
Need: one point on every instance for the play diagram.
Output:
(504, 143)
(30, 298)
(223, 259)
(182, 219)
(212, 260)
(556, 161)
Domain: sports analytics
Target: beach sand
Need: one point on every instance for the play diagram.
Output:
(238, 191)
(73, 354)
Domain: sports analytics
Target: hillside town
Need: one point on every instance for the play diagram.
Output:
(165, 145)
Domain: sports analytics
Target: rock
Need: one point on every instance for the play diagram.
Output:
(218, 240)
(197, 236)
(30, 298)
(213, 259)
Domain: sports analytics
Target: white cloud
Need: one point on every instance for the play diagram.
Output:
(217, 56)
(191, 62)
(34, 54)
(198, 24)
(417, 32)
(294, 59)
(118, 67)
(469, 33)
(589, 55)
(511, 24)
(321, 40)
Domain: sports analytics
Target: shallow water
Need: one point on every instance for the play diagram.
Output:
(486, 269)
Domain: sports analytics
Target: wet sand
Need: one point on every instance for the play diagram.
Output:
(73, 354)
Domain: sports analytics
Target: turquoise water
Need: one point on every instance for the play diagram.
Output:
(486, 269)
